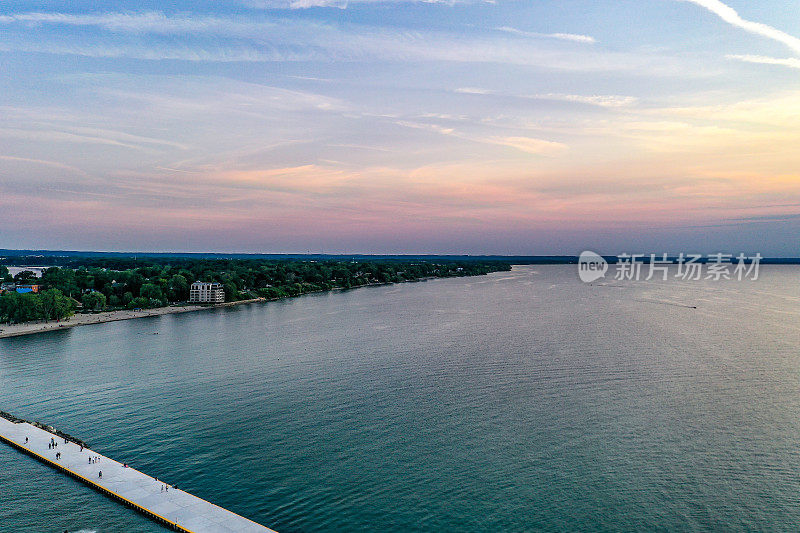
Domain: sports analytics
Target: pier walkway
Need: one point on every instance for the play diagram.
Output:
(172, 508)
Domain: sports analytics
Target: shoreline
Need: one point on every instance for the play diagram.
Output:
(81, 319)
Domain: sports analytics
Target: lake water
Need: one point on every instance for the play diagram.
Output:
(517, 401)
(37, 271)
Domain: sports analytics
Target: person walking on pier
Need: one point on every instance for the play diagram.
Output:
(100, 473)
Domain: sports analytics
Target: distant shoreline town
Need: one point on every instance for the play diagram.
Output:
(94, 289)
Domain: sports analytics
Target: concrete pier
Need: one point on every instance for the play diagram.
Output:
(172, 508)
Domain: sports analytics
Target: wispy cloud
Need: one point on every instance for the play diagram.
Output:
(791, 62)
(563, 36)
(150, 22)
(342, 4)
(52, 136)
(430, 127)
(596, 100)
(159, 52)
(729, 15)
(528, 145)
(609, 101)
(42, 162)
(473, 90)
(532, 146)
(267, 39)
(305, 4)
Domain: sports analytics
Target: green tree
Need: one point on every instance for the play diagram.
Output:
(8, 306)
(63, 279)
(55, 305)
(151, 291)
(178, 288)
(231, 294)
(25, 277)
(139, 303)
(94, 301)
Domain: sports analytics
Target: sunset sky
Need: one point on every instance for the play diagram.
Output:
(503, 127)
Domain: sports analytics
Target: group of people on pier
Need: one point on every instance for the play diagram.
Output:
(92, 460)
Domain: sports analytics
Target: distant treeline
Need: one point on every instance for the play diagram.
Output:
(60, 257)
(126, 282)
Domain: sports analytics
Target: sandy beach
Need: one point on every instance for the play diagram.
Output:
(82, 319)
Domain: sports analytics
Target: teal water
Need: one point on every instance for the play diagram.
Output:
(517, 401)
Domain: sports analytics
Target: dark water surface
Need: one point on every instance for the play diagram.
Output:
(515, 401)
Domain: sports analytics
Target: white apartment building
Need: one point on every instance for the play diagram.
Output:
(206, 293)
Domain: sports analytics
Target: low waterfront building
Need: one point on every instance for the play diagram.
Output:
(206, 293)
(27, 288)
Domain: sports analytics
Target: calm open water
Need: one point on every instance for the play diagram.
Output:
(516, 401)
